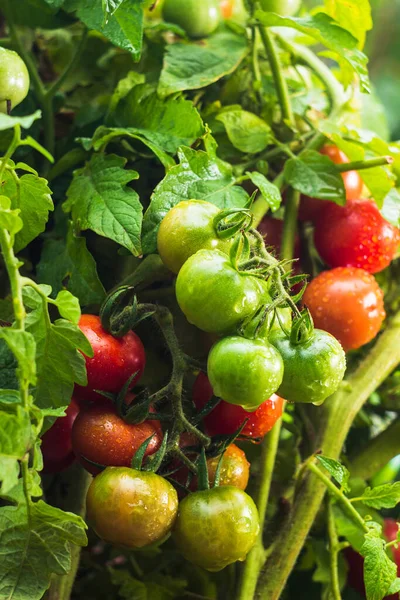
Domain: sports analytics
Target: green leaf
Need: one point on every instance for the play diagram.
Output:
(269, 191)
(336, 470)
(316, 176)
(110, 6)
(32, 196)
(39, 13)
(391, 207)
(326, 31)
(22, 345)
(395, 587)
(198, 176)
(68, 306)
(40, 547)
(8, 365)
(9, 219)
(382, 496)
(246, 131)
(160, 587)
(353, 15)
(379, 571)
(190, 65)
(15, 434)
(124, 28)
(100, 200)
(67, 263)
(8, 121)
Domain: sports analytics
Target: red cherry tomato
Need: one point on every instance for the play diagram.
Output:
(227, 418)
(226, 7)
(114, 360)
(348, 303)
(272, 230)
(56, 442)
(355, 235)
(310, 207)
(102, 437)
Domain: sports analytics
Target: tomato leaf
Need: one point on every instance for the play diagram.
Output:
(8, 121)
(40, 547)
(379, 571)
(199, 176)
(68, 306)
(22, 345)
(391, 207)
(328, 32)
(382, 496)
(269, 191)
(246, 131)
(316, 176)
(100, 200)
(8, 364)
(353, 15)
(336, 470)
(15, 434)
(190, 66)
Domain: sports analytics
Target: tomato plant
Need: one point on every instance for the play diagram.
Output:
(57, 443)
(197, 19)
(14, 80)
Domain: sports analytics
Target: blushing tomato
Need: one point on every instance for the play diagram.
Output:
(114, 360)
(57, 444)
(101, 436)
(226, 7)
(348, 303)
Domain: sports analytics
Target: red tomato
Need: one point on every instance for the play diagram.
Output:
(355, 235)
(348, 303)
(114, 360)
(226, 7)
(102, 437)
(272, 230)
(56, 442)
(227, 418)
(310, 207)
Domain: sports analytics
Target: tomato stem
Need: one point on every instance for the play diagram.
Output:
(369, 163)
(334, 549)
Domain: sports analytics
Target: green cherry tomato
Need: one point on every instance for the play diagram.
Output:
(130, 508)
(14, 79)
(213, 295)
(187, 228)
(216, 527)
(244, 372)
(313, 369)
(286, 8)
(199, 18)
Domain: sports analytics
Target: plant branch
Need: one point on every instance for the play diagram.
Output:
(369, 163)
(334, 549)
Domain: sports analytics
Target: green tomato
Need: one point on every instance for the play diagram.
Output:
(130, 508)
(244, 372)
(14, 79)
(313, 369)
(199, 18)
(213, 295)
(286, 8)
(187, 228)
(216, 527)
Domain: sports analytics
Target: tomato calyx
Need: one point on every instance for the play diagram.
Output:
(302, 328)
(227, 223)
(118, 316)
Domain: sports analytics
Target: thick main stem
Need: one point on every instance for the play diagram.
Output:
(335, 419)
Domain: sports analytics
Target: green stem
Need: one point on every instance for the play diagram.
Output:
(10, 151)
(377, 453)
(290, 224)
(279, 80)
(369, 163)
(335, 491)
(334, 553)
(334, 421)
(254, 63)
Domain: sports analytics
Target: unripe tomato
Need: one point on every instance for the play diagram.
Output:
(243, 371)
(114, 360)
(313, 369)
(14, 79)
(216, 527)
(102, 437)
(214, 296)
(226, 418)
(310, 208)
(198, 19)
(348, 303)
(286, 8)
(57, 444)
(131, 509)
(187, 228)
(355, 235)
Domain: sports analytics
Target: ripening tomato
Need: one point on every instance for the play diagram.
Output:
(348, 303)
(101, 436)
(216, 527)
(226, 7)
(114, 360)
(198, 19)
(310, 207)
(57, 444)
(355, 235)
(272, 230)
(131, 509)
(226, 418)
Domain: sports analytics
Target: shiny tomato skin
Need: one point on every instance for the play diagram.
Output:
(348, 303)
(57, 444)
(235, 468)
(310, 208)
(131, 509)
(355, 235)
(216, 527)
(114, 360)
(14, 79)
(226, 7)
(187, 228)
(198, 19)
(243, 371)
(102, 437)
(226, 418)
